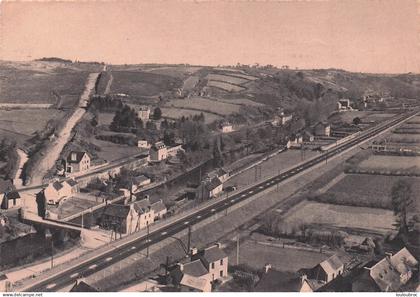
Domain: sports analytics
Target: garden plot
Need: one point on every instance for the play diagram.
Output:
(341, 216)
(226, 78)
(390, 163)
(177, 113)
(23, 123)
(190, 83)
(139, 83)
(206, 105)
(225, 86)
(241, 101)
(369, 190)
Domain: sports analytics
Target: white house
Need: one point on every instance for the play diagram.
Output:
(226, 127)
(145, 212)
(143, 113)
(209, 188)
(77, 161)
(203, 268)
(143, 144)
(58, 191)
(344, 105)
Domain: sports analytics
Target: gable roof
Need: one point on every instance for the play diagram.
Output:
(117, 210)
(332, 264)
(195, 268)
(57, 185)
(314, 284)
(158, 145)
(79, 156)
(278, 281)
(403, 260)
(385, 276)
(213, 184)
(71, 182)
(142, 206)
(81, 286)
(141, 178)
(158, 206)
(194, 282)
(213, 254)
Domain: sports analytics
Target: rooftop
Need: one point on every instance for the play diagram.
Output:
(195, 268)
(117, 210)
(79, 156)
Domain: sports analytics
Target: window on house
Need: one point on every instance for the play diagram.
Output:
(212, 265)
(221, 262)
(221, 273)
(333, 276)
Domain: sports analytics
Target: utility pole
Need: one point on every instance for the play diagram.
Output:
(189, 239)
(147, 240)
(237, 250)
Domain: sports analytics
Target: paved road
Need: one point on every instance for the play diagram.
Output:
(49, 158)
(99, 262)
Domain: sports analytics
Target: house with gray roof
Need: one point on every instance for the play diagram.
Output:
(9, 196)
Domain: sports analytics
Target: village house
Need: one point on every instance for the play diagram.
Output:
(57, 191)
(344, 105)
(119, 218)
(141, 181)
(77, 161)
(273, 280)
(145, 213)
(159, 209)
(143, 144)
(226, 127)
(209, 188)
(158, 152)
(322, 129)
(295, 141)
(9, 196)
(82, 287)
(220, 173)
(204, 268)
(321, 274)
(308, 136)
(143, 113)
(387, 275)
(284, 118)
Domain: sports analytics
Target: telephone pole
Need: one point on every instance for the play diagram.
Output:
(147, 240)
(237, 250)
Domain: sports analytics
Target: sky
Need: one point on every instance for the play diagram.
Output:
(363, 36)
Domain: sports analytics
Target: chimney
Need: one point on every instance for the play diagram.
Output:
(181, 266)
(193, 251)
(73, 156)
(267, 267)
(304, 277)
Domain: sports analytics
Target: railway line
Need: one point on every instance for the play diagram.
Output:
(102, 261)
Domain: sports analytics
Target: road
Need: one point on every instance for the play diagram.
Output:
(101, 261)
(53, 153)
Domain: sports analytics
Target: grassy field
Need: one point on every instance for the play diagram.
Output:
(341, 216)
(35, 82)
(224, 86)
(226, 78)
(241, 101)
(204, 104)
(365, 116)
(179, 71)
(112, 151)
(190, 83)
(362, 188)
(22, 124)
(376, 162)
(105, 118)
(176, 113)
(257, 255)
(139, 83)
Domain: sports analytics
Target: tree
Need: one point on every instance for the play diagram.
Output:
(357, 121)
(157, 113)
(401, 198)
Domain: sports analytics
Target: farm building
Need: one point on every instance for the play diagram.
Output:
(226, 127)
(209, 188)
(344, 105)
(143, 144)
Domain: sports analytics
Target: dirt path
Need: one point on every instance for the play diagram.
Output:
(53, 152)
(23, 157)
